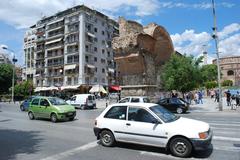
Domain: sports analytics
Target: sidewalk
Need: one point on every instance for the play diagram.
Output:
(210, 106)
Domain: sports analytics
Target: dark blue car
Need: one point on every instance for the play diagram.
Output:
(25, 104)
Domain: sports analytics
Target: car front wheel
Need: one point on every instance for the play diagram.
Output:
(21, 108)
(180, 147)
(31, 115)
(53, 117)
(179, 110)
(106, 138)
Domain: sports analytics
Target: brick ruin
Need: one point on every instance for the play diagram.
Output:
(140, 53)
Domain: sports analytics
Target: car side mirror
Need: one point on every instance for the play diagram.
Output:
(156, 121)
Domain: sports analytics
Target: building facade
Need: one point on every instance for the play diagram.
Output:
(140, 52)
(72, 48)
(4, 58)
(230, 69)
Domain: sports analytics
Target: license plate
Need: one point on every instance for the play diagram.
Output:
(70, 114)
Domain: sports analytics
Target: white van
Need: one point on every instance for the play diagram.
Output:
(83, 101)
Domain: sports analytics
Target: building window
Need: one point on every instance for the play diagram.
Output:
(103, 51)
(108, 53)
(103, 80)
(95, 59)
(95, 79)
(230, 73)
(103, 61)
(95, 40)
(95, 49)
(96, 70)
(95, 30)
(103, 70)
(103, 32)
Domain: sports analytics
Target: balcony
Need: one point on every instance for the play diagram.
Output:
(55, 55)
(58, 64)
(55, 74)
(39, 57)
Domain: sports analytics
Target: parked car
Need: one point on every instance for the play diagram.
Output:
(178, 105)
(25, 104)
(135, 99)
(52, 108)
(151, 124)
(83, 101)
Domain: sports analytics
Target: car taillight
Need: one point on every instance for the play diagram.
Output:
(95, 123)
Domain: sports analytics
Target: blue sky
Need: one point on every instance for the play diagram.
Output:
(189, 22)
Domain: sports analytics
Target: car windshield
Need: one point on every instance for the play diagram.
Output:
(164, 114)
(56, 101)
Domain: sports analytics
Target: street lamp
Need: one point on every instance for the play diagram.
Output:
(215, 37)
(14, 61)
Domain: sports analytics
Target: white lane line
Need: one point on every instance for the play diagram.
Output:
(64, 155)
(226, 138)
(221, 124)
(165, 156)
(224, 128)
(226, 148)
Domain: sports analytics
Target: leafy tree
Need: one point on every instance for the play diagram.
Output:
(227, 83)
(5, 77)
(181, 73)
(210, 84)
(24, 89)
(208, 73)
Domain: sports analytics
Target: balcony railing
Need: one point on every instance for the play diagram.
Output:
(54, 64)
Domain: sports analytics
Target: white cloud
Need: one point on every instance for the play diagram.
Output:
(202, 5)
(190, 42)
(24, 13)
(232, 28)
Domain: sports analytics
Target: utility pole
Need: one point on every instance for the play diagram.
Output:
(215, 37)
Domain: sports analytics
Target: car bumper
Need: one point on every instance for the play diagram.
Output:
(202, 144)
(96, 131)
(67, 115)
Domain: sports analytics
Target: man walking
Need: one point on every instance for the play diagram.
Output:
(228, 95)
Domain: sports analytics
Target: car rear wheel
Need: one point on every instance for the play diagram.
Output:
(179, 110)
(21, 108)
(180, 147)
(31, 115)
(106, 138)
(53, 117)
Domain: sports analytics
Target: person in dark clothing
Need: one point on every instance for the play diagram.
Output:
(237, 99)
(228, 95)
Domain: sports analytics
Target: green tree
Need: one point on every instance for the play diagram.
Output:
(5, 77)
(208, 73)
(227, 83)
(210, 84)
(181, 73)
(24, 89)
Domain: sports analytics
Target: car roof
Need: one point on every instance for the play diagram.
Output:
(135, 97)
(144, 105)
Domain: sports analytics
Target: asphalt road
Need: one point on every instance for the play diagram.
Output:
(23, 139)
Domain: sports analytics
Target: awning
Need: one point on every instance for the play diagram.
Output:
(75, 87)
(111, 70)
(90, 34)
(53, 41)
(72, 66)
(90, 66)
(97, 88)
(55, 21)
(115, 88)
(38, 89)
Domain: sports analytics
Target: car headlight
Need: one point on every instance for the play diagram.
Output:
(203, 135)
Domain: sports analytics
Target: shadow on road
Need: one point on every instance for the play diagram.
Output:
(195, 154)
(15, 142)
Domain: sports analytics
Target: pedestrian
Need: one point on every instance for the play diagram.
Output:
(196, 98)
(200, 96)
(216, 96)
(237, 99)
(212, 93)
(228, 95)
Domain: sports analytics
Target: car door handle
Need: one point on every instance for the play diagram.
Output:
(128, 124)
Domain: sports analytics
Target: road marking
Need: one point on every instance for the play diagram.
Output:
(221, 124)
(64, 155)
(226, 138)
(165, 156)
(225, 148)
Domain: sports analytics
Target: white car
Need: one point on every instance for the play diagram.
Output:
(135, 99)
(83, 101)
(151, 124)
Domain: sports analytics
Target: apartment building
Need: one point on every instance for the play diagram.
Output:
(29, 49)
(72, 48)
